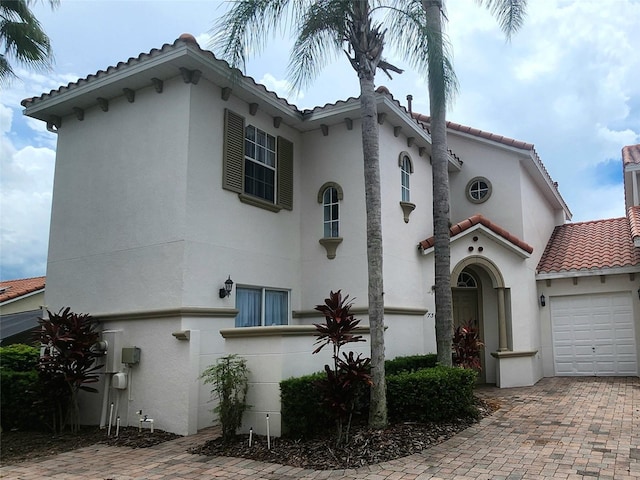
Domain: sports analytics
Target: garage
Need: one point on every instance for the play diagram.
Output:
(594, 335)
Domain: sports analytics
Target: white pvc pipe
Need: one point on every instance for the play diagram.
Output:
(268, 437)
(117, 425)
(250, 436)
(110, 419)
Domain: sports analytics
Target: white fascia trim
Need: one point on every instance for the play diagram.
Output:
(105, 79)
(587, 273)
(22, 297)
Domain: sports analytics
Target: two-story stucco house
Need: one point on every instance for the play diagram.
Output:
(173, 176)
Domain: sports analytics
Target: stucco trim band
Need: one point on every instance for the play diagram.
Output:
(169, 312)
(278, 331)
(509, 354)
(365, 311)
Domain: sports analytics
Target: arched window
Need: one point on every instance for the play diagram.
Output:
(406, 169)
(466, 280)
(330, 195)
(331, 212)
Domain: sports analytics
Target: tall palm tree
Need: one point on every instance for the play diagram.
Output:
(510, 15)
(22, 38)
(324, 28)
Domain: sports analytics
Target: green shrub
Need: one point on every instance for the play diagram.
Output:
(434, 394)
(303, 412)
(230, 380)
(18, 383)
(410, 363)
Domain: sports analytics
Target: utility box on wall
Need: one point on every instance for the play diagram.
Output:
(112, 361)
(131, 355)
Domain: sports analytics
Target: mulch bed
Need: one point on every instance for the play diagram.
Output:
(366, 447)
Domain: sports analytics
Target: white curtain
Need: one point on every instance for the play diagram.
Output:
(276, 307)
(248, 301)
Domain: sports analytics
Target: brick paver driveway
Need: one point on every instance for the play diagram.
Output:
(563, 428)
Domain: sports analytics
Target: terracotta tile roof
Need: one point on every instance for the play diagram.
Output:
(631, 154)
(184, 39)
(11, 289)
(479, 220)
(594, 245)
(633, 214)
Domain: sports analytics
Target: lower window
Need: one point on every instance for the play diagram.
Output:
(261, 307)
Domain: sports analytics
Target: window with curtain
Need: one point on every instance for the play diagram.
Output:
(261, 307)
(331, 213)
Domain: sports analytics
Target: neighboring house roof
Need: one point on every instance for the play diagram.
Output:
(12, 289)
(631, 154)
(479, 220)
(586, 248)
(18, 325)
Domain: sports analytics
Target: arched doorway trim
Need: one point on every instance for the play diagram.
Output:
(497, 281)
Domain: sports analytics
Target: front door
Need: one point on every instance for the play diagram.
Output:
(465, 308)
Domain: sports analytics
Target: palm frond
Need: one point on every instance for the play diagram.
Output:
(321, 36)
(248, 25)
(410, 38)
(510, 14)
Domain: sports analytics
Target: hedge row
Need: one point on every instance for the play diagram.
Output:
(414, 393)
(18, 384)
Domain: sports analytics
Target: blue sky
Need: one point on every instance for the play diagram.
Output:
(567, 82)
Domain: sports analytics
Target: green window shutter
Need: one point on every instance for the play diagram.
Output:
(285, 173)
(233, 152)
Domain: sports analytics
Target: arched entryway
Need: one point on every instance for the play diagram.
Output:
(479, 294)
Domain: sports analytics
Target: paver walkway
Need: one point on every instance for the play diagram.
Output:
(561, 428)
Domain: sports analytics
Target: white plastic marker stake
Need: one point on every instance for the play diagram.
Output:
(250, 436)
(268, 438)
(117, 425)
(110, 420)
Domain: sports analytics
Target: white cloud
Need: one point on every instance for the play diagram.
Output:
(26, 187)
(283, 88)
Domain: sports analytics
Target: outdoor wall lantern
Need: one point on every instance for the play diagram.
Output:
(543, 300)
(228, 285)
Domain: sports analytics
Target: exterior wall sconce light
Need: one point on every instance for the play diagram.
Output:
(226, 291)
(543, 300)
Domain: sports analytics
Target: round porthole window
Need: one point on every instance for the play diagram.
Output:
(478, 190)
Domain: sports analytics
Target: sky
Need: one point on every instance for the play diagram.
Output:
(568, 82)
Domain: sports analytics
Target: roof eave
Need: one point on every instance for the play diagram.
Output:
(588, 272)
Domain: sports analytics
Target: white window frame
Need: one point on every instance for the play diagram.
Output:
(405, 177)
(263, 295)
(267, 154)
(331, 204)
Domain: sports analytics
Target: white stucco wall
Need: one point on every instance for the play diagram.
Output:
(118, 205)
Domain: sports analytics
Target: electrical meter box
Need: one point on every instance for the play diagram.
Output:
(131, 355)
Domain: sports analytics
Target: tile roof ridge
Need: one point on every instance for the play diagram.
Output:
(476, 219)
(184, 39)
(631, 154)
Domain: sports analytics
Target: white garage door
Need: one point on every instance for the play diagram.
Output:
(594, 335)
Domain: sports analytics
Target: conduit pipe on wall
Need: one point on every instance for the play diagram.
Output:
(105, 400)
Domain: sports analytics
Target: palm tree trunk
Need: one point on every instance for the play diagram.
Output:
(370, 149)
(437, 101)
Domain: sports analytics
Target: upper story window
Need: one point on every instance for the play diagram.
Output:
(261, 307)
(260, 163)
(406, 169)
(331, 213)
(257, 165)
(330, 195)
(478, 190)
